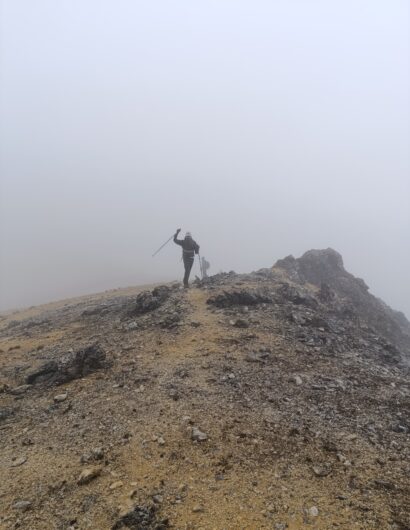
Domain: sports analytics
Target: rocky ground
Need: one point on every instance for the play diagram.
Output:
(274, 400)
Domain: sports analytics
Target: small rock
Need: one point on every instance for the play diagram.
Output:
(87, 475)
(240, 323)
(116, 485)
(18, 390)
(297, 380)
(402, 429)
(254, 358)
(197, 435)
(321, 471)
(22, 506)
(174, 394)
(313, 511)
(197, 509)
(98, 453)
(158, 499)
(161, 441)
(60, 398)
(19, 461)
(383, 484)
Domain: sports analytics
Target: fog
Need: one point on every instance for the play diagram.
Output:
(266, 128)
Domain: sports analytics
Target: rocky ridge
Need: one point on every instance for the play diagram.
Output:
(276, 399)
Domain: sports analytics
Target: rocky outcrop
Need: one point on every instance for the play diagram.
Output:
(342, 291)
(69, 367)
(237, 298)
(148, 301)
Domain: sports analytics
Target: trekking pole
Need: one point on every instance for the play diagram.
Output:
(162, 246)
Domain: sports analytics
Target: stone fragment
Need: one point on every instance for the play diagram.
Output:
(321, 471)
(197, 435)
(241, 323)
(19, 461)
(22, 506)
(19, 390)
(87, 475)
(158, 499)
(116, 485)
(59, 398)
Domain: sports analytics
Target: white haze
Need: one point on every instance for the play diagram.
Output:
(266, 128)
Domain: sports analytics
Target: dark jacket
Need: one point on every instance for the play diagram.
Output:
(189, 247)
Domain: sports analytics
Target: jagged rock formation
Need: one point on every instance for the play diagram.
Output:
(324, 269)
(271, 400)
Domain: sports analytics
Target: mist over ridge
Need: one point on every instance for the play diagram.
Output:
(265, 130)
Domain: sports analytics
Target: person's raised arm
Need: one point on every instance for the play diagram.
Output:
(176, 240)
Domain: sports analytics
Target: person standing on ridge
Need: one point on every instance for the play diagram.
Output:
(205, 267)
(189, 249)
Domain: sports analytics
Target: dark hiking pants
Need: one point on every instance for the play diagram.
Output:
(188, 262)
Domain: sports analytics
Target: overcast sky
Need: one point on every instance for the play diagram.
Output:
(266, 128)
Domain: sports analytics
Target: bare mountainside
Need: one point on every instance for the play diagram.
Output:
(272, 400)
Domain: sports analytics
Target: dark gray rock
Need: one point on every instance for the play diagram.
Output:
(238, 298)
(148, 301)
(5, 412)
(141, 518)
(73, 366)
(240, 323)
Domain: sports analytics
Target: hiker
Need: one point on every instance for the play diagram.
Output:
(205, 267)
(189, 249)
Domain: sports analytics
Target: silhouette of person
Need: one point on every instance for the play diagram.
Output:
(189, 249)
